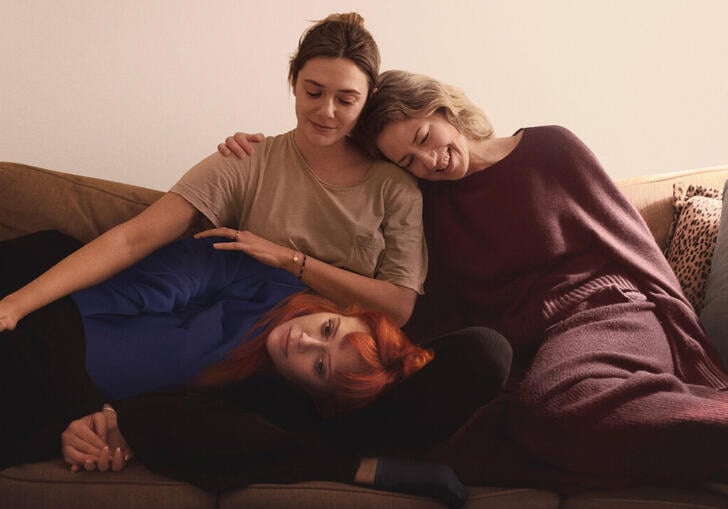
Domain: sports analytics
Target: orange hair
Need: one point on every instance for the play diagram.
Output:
(388, 354)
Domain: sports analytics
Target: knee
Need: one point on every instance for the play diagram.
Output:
(480, 356)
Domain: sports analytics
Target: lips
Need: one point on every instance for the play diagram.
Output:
(322, 127)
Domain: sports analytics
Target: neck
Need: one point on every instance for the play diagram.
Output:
(486, 153)
(342, 163)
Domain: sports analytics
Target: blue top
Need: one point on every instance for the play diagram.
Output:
(159, 323)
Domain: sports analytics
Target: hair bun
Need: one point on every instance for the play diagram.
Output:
(350, 18)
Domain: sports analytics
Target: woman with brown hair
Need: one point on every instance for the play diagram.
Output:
(369, 250)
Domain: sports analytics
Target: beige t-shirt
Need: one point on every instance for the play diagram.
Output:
(373, 228)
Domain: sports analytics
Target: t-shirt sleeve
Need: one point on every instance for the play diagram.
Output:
(404, 261)
(217, 186)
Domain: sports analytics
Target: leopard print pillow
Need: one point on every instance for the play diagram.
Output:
(692, 239)
(681, 193)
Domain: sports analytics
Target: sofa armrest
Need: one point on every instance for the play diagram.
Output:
(33, 199)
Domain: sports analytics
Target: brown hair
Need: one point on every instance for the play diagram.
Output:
(388, 354)
(338, 36)
(402, 95)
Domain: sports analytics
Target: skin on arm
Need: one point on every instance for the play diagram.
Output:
(159, 224)
(342, 286)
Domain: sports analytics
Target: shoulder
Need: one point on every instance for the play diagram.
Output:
(554, 134)
(229, 172)
(390, 176)
(558, 141)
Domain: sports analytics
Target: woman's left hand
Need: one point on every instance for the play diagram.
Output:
(265, 251)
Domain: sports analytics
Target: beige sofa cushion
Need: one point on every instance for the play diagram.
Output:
(52, 485)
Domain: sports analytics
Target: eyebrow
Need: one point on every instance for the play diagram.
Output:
(343, 90)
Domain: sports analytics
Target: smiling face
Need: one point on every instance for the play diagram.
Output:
(309, 350)
(430, 148)
(330, 94)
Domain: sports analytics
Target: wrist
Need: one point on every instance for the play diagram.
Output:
(297, 264)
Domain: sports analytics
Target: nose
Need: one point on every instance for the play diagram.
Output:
(428, 158)
(305, 342)
(327, 108)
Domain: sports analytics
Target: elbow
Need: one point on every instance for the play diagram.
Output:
(402, 312)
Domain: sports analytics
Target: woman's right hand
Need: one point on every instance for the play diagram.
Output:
(240, 144)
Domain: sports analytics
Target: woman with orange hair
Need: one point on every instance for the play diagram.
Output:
(261, 360)
(185, 316)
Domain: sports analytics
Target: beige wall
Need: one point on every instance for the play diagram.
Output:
(138, 91)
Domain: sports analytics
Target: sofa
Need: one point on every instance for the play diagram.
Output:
(33, 199)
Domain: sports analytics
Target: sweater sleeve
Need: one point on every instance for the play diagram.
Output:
(211, 442)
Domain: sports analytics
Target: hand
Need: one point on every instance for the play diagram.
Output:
(240, 144)
(435, 480)
(265, 251)
(9, 315)
(88, 443)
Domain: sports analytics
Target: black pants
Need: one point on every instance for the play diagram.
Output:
(470, 367)
(43, 381)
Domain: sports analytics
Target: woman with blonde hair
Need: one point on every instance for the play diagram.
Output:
(612, 362)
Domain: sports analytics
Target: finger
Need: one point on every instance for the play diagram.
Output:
(84, 434)
(246, 141)
(80, 436)
(117, 462)
(103, 460)
(99, 425)
(73, 456)
(216, 232)
(227, 246)
(235, 146)
(89, 465)
(222, 148)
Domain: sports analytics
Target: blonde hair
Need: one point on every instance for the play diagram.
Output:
(338, 36)
(401, 95)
